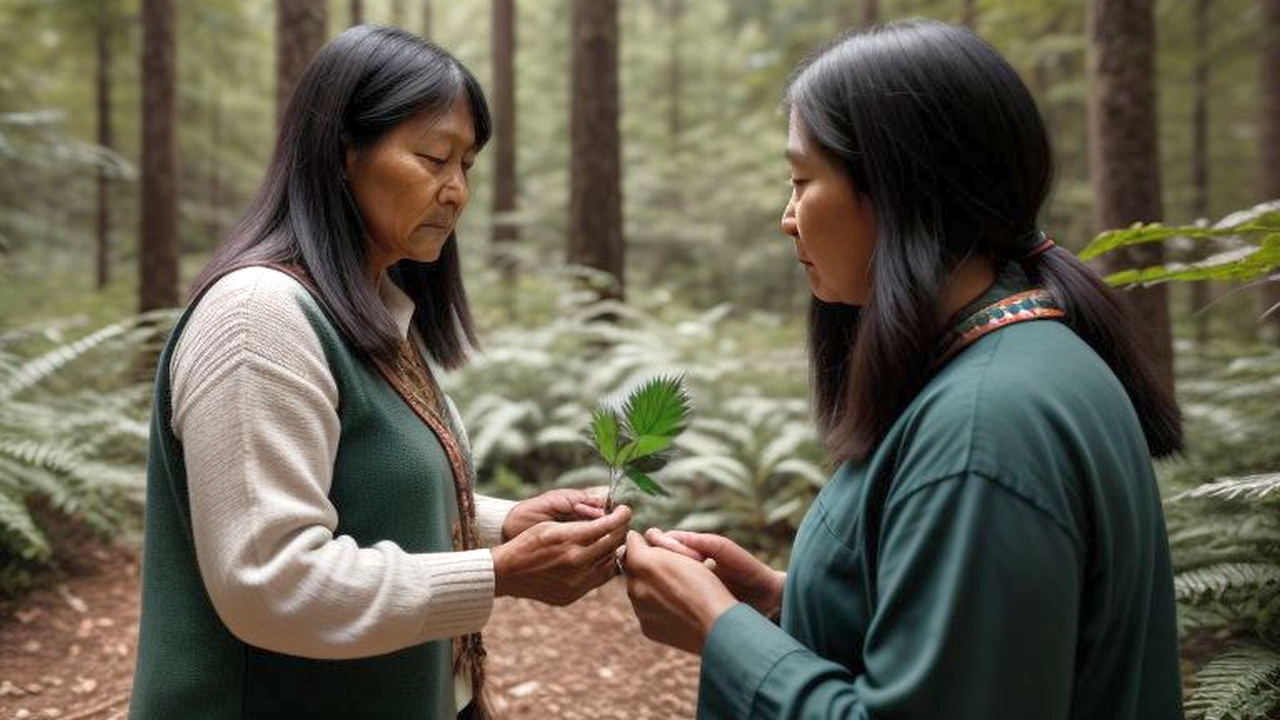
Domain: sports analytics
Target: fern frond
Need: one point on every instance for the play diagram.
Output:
(789, 441)
(1232, 488)
(18, 530)
(1216, 580)
(501, 428)
(32, 372)
(1241, 684)
(810, 472)
(725, 471)
(587, 476)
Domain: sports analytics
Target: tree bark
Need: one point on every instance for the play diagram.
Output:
(1269, 141)
(675, 10)
(357, 12)
(595, 205)
(1123, 155)
(1198, 298)
(870, 12)
(301, 27)
(106, 139)
(158, 242)
(504, 120)
(969, 14)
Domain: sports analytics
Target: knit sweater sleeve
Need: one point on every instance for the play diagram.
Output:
(255, 406)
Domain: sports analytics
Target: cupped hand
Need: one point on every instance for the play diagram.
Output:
(560, 505)
(559, 562)
(675, 597)
(749, 579)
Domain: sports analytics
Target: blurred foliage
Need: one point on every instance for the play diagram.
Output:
(1224, 528)
(73, 430)
(704, 183)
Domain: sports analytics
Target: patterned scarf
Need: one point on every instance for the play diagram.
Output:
(413, 380)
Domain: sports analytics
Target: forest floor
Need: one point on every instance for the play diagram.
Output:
(67, 651)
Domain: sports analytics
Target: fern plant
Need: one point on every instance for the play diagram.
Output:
(72, 436)
(1225, 533)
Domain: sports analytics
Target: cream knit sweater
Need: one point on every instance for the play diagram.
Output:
(254, 405)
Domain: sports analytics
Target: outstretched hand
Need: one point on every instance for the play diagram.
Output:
(676, 598)
(559, 562)
(750, 580)
(560, 505)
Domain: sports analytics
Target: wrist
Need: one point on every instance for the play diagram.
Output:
(717, 604)
(499, 555)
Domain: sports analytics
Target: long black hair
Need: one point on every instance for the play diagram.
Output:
(936, 129)
(364, 82)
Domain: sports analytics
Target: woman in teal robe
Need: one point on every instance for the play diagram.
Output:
(991, 544)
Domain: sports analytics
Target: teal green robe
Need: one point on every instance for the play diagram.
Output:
(1001, 555)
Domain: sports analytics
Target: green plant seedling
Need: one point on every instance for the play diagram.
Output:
(637, 440)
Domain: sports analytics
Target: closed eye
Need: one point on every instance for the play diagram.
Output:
(432, 159)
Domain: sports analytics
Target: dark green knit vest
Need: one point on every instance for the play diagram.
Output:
(391, 481)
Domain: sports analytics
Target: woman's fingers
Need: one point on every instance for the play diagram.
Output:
(667, 541)
(588, 512)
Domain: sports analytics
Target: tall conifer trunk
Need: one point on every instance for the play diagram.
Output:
(1123, 155)
(106, 139)
(158, 240)
(595, 197)
(301, 28)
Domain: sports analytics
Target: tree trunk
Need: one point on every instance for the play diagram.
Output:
(969, 14)
(106, 139)
(1123, 156)
(398, 13)
(595, 205)
(301, 27)
(426, 18)
(1199, 295)
(504, 120)
(870, 12)
(675, 10)
(357, 12)
(1269, 140)
(158, 243)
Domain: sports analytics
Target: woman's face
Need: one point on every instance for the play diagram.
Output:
(833, 227)
(411, 185)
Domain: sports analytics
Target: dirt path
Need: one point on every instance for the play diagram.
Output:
(67, 651)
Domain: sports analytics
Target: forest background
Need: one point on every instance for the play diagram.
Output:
(660, 215)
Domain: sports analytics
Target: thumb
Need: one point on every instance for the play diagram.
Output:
(636, 544)
(586, 531)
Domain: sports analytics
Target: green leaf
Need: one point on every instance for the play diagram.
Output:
(659, 407)
(1240, 264)
(643, 447)
(1262, 219)
(604, 429)
(647, 485)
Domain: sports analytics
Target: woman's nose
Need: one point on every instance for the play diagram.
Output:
(456, 191)
(788, 224)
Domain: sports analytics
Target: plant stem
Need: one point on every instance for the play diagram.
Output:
(614, 476)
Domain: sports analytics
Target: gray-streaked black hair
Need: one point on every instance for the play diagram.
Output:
(364, 82)
(936, 129)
